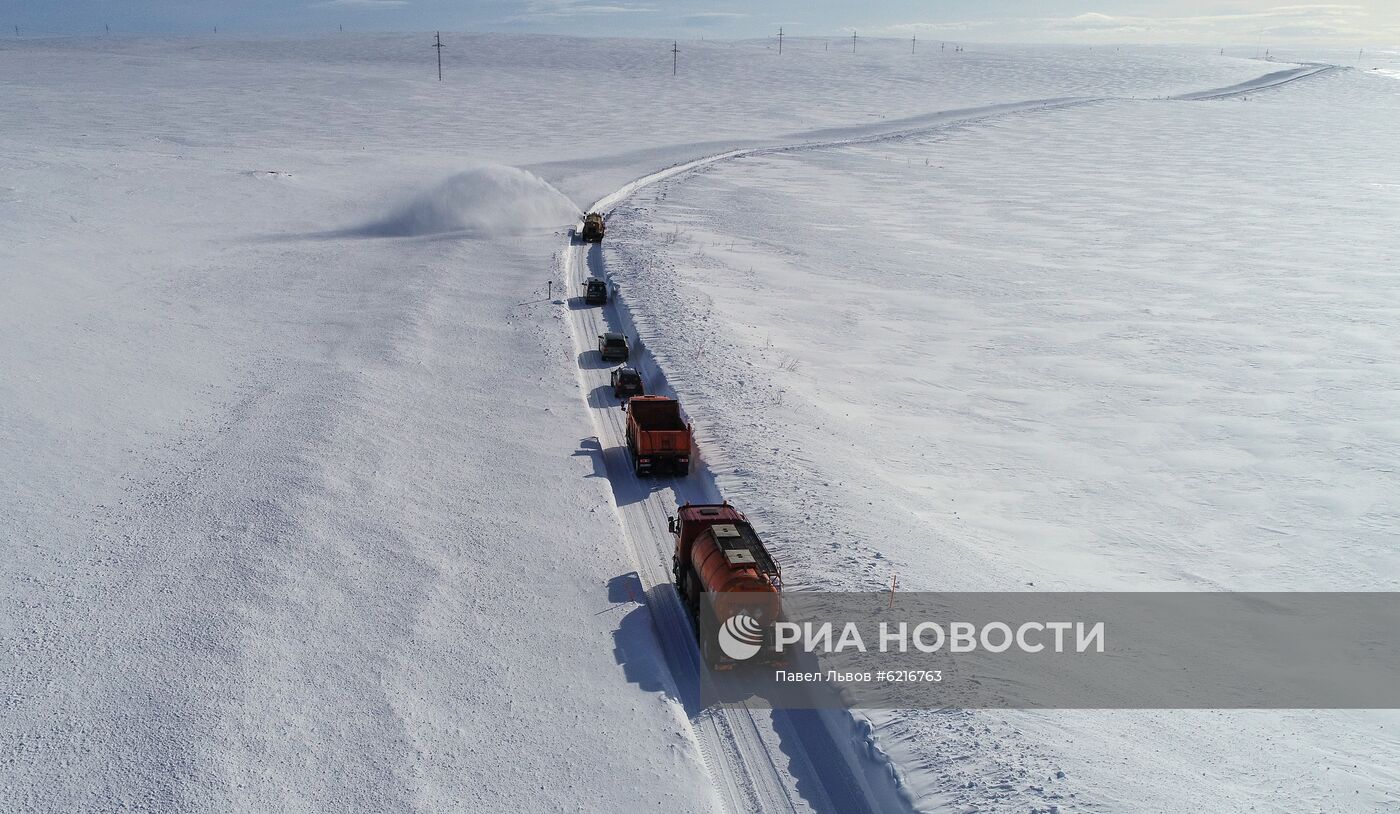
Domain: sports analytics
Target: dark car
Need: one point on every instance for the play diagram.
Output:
(626, 383)
(595, 291)
(613, 346)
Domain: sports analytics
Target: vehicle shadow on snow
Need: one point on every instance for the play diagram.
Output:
(816, 762)
(595, 261)
(602, 396)
(592, 450)
(635, 645)
(593, 360)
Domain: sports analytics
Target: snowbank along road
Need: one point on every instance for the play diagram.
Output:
(757, 759)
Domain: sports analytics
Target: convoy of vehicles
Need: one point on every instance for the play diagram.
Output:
(717, 551)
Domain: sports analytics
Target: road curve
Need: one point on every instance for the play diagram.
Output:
(758, 760)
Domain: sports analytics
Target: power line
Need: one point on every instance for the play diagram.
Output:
(439, 46)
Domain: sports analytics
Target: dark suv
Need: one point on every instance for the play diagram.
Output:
(626, 383)
(613, 346)
(595, 291)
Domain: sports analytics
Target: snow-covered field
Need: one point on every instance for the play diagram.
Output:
(302, 511)
(1132, 345)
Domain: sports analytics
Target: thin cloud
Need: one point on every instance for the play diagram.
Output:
(712, 18)
(1319, 21)
(576, 8)
(362, 4)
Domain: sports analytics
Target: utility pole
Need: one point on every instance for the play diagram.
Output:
(437, 43)
(780, 41)
(675, 57)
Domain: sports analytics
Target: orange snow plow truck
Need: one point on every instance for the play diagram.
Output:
(718, 553)
(657, 436)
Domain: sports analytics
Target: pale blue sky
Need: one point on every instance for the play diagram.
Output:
(1195, 21)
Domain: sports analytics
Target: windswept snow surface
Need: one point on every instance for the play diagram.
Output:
(301, 512)
(1129, 345)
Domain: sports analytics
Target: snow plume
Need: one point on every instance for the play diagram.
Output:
(487, 199)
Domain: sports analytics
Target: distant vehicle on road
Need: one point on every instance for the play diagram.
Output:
(626, 383)
(593, 228)
(595, 291)
(613, 346)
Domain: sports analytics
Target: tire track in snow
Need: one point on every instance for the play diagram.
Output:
(831, 766)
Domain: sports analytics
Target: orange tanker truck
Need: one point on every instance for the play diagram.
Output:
(718, 553)
(657, 436)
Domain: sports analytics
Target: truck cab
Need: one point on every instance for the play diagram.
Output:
(593, 228)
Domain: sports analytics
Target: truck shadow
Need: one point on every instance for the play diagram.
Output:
(595, 261)
(592, 450)
(636, 647)
(627, 488)
(808, 737)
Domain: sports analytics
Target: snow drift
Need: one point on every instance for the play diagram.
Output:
(487, 199)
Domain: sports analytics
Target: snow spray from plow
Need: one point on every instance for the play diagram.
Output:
(487, 199)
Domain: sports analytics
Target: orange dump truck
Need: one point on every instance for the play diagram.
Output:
(718, 553)
(657, 436)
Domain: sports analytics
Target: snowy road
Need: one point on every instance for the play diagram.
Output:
(757, 759)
